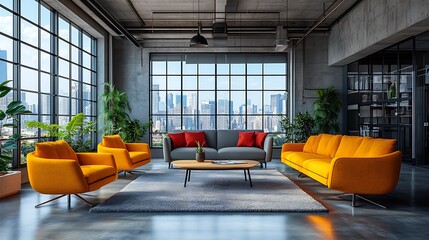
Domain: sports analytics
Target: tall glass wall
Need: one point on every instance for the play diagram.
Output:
(388, 97)
(217, 91)
(52, 64)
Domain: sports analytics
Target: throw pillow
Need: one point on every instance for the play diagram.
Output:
(113, 141)
(246, 139)
(177, 140)
(192, 138)
(260, 138)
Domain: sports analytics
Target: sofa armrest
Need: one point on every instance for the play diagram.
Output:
(166, 148)
(365, 175)
(296, 147)
(55, 176)
(268, 148)
(96, 159)
(138, 147)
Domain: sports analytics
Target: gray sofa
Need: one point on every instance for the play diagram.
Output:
(221, 146)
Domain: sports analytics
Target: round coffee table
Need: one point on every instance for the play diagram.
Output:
(190, 165)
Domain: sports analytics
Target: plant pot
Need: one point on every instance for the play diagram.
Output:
(200, 157)
(10, 183)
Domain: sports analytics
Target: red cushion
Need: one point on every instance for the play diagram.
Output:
(177, 139)
(192, 138)
(246, 139)
(260, 138)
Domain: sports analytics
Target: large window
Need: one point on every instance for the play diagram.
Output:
(52, 64)
(218, 91)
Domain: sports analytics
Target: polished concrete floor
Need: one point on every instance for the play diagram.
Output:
(407, 216)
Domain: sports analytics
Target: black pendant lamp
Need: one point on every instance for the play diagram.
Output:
(198, 41)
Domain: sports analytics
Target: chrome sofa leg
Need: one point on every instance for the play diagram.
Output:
(355, 196)
(68, 200)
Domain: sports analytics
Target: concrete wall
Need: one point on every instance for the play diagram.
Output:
(313, 72)
(374, 25)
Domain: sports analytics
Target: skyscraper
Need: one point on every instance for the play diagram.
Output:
(277, 103)
(155, 99)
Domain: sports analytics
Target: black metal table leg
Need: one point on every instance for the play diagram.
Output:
(186, 177)
(250, 179)
(245, 176)
(189, 175)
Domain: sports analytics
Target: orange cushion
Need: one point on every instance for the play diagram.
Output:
(94, 173)
(193, 137)
(64, 150)
(246, 139)
(373, 147)
(113, 141)
(299, 157)
(312, 144)
(260, 138)
(138, 156)
(348, 146)
(177, 139)
(46, 150)
(328, 144)
(320, 167)
(55, 150)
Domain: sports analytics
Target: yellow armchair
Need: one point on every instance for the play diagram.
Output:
(54, 168)
(128, 156)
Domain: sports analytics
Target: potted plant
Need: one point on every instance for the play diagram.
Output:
(300, 129)
(326, 108)
(200, 155)
(115, 106)
(75, 133)
(134, 131)
(10, 181)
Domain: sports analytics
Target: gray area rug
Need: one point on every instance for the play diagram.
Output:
(211, 191)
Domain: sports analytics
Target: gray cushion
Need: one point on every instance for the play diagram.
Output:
(229, 138)
(188, 153)
(244, 153)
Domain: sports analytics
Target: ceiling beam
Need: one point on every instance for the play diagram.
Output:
(131, 5)
(104, 15)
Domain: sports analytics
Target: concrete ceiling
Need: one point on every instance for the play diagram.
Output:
(144, 18)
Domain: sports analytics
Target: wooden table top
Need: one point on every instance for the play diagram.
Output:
(209, 165)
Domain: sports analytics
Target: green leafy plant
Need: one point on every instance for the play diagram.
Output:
(115, 109)
(326, 108)
(199, 148)
(9, 119)
(134, 131)
(75, 133)
(300, 129)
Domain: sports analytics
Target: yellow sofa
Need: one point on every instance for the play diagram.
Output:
(54, 168)
(351, 164)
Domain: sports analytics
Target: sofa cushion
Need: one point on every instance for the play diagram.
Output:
(46, 150)
(319, 166)
(245, 153)
(138, 156)
(188, 153)
(94, 173)
(260, 138)
(177, 140)
(312, 144)
(373, 147)
(348, 146)
(299, 157)
(193, 137)
(55, 150)
(328, 144)
(246, 139)
(113, 141)
(64, 150)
